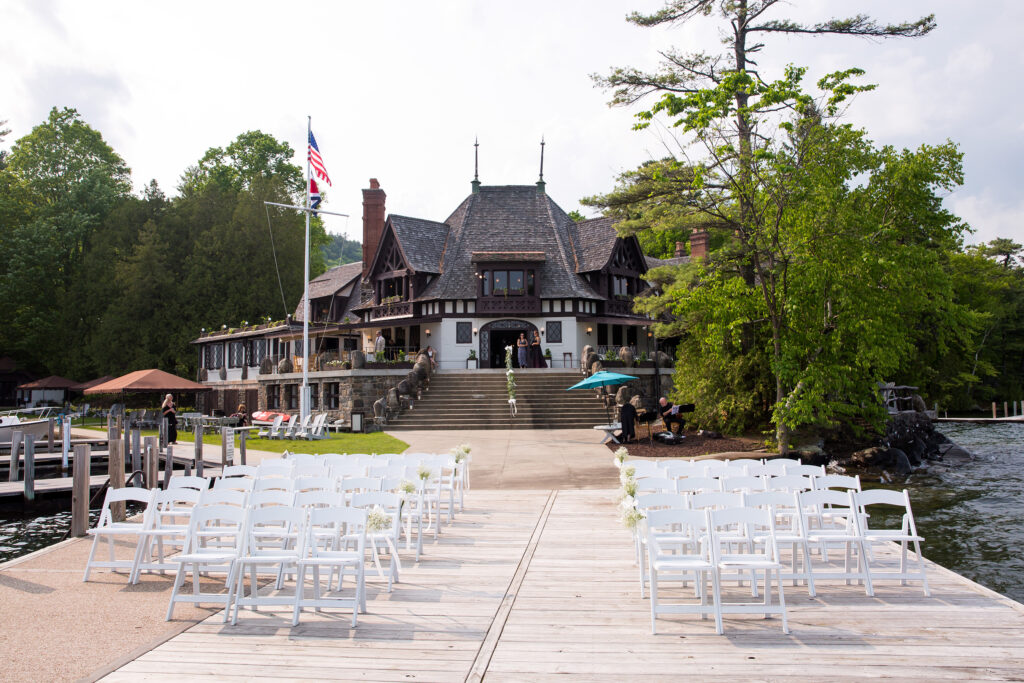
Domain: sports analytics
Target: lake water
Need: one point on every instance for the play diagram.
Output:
(972, 516)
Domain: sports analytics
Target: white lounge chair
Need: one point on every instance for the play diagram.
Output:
(274, 431)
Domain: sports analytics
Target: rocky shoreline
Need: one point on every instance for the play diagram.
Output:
(910, 441)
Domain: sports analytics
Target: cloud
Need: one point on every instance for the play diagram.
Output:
(990, 216)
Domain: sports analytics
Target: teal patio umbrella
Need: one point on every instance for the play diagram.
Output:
(603, 379)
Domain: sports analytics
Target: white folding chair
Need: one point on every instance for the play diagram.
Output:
(235, 484)
(270, 544)
(239, 471)
(676, 542)
(212, 543)
(697, 485)
(761, 557)
(842, 482)
(190, 482)
(319, 498)
(223, 496)
(316, 468)
(274, 484)
(789, 530)
(789, 483)
(172, 510)
(107, 528)
(656, 485)
(904, 535)
(322, 549)
(743, 484)
(645, 502)
(271, 498)
(806, 470)
(316, 483)
(639, 469)
(275, 468)
(390, 505)
(830, 518)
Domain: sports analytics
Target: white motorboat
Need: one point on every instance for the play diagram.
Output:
(12, 423)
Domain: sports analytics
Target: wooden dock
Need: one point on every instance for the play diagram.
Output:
(1019, 419)
(539, 585)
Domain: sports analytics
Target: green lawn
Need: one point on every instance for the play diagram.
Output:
(377, 442)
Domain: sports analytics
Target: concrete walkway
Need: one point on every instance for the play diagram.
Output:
(525, 458)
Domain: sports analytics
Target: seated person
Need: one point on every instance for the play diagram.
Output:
(670, 416)
(242, 415)
(627, 416)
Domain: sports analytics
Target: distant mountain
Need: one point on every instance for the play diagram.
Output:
(341, 250)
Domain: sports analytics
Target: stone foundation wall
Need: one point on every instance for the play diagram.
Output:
(357, 390)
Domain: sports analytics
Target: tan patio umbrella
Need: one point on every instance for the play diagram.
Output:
(147, 381)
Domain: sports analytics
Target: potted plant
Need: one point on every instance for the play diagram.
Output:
(547, 355)
(612, 360)
(644, 361)
(471, 362)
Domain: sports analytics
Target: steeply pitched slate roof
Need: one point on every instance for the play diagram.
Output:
(422, 242)
(509, 218)
(329, 283)
(594, 243)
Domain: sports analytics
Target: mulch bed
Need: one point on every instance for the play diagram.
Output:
(691, 446)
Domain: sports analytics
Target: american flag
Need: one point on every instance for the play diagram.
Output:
(314, 195)
(316, 162)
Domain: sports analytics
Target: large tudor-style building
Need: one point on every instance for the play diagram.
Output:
(507, 260)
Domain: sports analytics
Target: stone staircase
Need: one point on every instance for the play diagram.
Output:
(477, 399)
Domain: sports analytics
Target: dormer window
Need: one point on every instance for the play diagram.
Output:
(510, 282)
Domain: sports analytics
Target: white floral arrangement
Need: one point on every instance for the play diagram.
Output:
(630, 516)
(461, 452)
(620, 456)
(407, 488)
(629, 488)
(377, 521)
(626, 473)
(423, 472)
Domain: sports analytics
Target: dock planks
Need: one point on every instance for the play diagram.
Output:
(534, 585)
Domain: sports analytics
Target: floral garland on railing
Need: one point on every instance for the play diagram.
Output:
(629, 515)
(510, 381)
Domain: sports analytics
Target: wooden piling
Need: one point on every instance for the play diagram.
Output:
(115, 471)
(30, 468)
(15, 466)
(1006, 413)
(199, 448)
(168, 465)
(151, 464)
(994, 413)
(137, 449)
(162, 432)
(65, 445)
(51, 427)
(242, 435)
(80, 490)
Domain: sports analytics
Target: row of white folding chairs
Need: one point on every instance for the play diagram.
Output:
(719, 468)
(749, 483)
(284, 540)
(820, 518)
(162, 523)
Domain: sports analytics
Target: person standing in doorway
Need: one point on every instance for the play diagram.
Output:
(379, 343)
(170, 412)
(521, 347)
(537, 360)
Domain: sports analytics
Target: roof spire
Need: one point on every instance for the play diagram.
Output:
(476, 165)
(541, 183)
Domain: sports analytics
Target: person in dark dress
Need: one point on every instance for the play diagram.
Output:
(536, 355)
(522, 347)
(170, 412)
(627, 416)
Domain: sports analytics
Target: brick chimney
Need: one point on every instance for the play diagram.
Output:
(699, 244)
(373, 221)
(680, 249)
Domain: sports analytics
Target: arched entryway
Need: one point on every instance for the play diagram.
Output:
(496, 335)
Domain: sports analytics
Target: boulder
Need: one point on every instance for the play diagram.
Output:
(957, 455)
(590, 359)
(596, 367)
(623, 395)
(637, 401)
(358, 360)
(919, 404)
(662, 360)
(224, 372)
(404, 388)
(393, 398)
(266, 366)
(626, 356)
(203, 375)
(899, 461)
(379, 409)
(587, 349)
(876, 456)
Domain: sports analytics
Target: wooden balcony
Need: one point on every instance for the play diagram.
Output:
(519, 305)
(619, 307)
(397, 309)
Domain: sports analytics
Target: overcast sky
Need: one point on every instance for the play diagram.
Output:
(398, 90)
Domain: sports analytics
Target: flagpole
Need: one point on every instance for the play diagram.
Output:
(305, 396)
